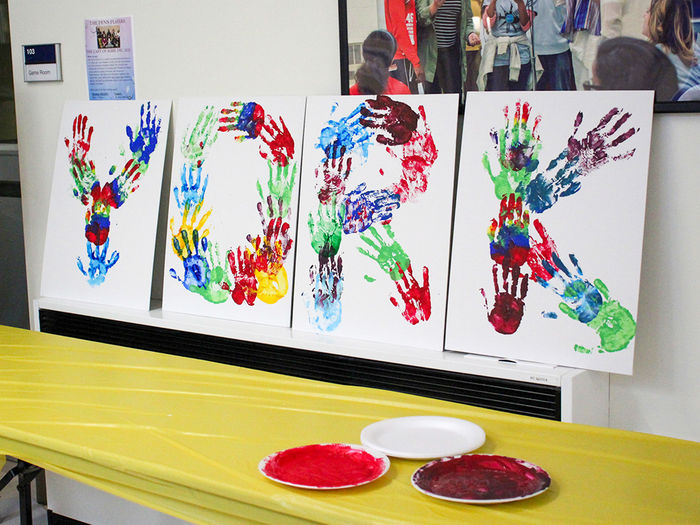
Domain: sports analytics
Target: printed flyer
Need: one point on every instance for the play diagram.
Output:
(109, 57)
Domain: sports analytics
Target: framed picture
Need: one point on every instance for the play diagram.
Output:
(617, 52)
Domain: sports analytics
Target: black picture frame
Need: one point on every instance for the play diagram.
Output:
(345, 80)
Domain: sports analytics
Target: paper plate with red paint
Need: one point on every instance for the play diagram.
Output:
(325, 466)
(423, 437)
(481, 479)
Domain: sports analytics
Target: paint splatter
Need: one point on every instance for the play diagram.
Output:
(386, 251)
(415, 298)
(518, 147)
(509, 300)
(363, 208)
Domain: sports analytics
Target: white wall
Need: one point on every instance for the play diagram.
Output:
(265, 47)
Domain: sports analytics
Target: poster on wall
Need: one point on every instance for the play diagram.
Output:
(549, 222)
(375, 212)
(105, 194)
(233, 208)
(109, 56)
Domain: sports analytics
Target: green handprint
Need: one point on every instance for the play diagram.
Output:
(203, 135)
(326, 231)
(280, 184)
(390, 256)
(614, 323)
(518, 147)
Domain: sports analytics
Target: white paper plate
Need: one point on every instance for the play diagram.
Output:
(324, 466)
(423, 437)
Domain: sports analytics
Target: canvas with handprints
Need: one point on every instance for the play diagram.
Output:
(103, 210)
(549, 222)
(233, 208)
(375, 213)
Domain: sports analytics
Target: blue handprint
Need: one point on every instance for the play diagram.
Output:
(327, 284)
(192, 189)
(143, 142)
(345, 136)
(559, 180)
(582, 299)
(363, 208)
(98, 264)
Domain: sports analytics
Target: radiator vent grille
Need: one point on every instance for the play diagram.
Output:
(517, 397)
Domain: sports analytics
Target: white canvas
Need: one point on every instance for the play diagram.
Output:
(375, 213)
(578, 162)
(235, 186)
(100, 235)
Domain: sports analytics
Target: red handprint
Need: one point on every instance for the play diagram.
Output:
(277, 141)
(542, 254)
(415, 298)
(245, 285)
(417, 157)
(82, 168)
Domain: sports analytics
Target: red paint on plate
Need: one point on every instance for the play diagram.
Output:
(481, 477)
(333, 465)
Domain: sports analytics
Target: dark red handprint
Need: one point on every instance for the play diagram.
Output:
(592, 151)
(334, 173)
(509, 305)
(395, 118)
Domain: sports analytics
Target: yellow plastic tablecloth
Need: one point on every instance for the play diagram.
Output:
(185, 436)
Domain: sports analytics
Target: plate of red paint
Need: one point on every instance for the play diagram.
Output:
(423, 437)
(325, 466)
(481, 479)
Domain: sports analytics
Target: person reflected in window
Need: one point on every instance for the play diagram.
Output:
(552, 48)
(372, 77)
(626, 63)
(506, 62)
(445, 28)
(667, 25)
(400, 16)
